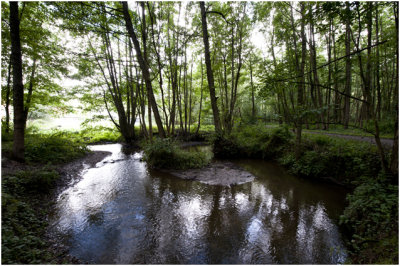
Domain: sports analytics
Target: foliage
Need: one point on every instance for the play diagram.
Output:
(21, 232)
(99, 134)
(279, 140)
(54, 148)
(166, 154)
(372, 219)
(4, 135)
(254, 141)
(23, 217)
(37, 181)
(225, 147)
(340, 159)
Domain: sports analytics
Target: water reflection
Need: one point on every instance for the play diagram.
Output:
(122, 213)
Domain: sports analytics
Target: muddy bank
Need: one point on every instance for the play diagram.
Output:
(71, 172)
(217, 173)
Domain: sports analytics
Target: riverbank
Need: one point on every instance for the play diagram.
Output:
(373, 201)
(28, 195)
(373, 234)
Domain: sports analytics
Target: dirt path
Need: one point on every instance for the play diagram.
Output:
(388, 143)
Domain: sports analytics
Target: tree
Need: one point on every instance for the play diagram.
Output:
(210, 75)
(18, 86)
(145, 69)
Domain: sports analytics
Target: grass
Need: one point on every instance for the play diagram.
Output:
(166, 154)
(385, 127)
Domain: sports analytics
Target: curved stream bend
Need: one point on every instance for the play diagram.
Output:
(123, 213)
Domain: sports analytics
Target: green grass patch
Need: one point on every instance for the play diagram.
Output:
(99, 134)
(166, 154)
(59, 147)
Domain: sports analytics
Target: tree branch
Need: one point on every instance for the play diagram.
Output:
(330, 62)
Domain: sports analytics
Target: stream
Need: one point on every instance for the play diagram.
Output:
(121, 212)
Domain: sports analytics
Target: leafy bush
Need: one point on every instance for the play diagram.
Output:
(251, 140)
(21, 232)
(100, 134)
(372, 219)
(23, 217)
(55, 148)
(277, 142)
(38, 181)
(224, 147)
(4, 135)
(166, 154)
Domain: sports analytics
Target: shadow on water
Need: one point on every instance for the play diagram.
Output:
(123, 213)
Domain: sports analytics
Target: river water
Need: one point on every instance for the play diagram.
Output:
(120, 212)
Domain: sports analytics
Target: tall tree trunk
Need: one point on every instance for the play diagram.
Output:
(253, 107)
(159, 64)
(347, 89)
(368, 74)
(201, 96)
(378, 82)
(301, 83)
(18, 86)
(210, 76)
(337, 100)
(30, 91)
(313, 65)
(394, 160)
(190, 97)
(8, 92)
(145, 69)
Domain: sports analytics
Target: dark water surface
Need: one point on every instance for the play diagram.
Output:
(122, 213)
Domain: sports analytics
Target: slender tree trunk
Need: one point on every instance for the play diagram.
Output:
(337, 100)
(301, 83)
(8, 92)
(378, 83)
(347, 89)
(190, 97)
(201, 97)
(210, 76)
(18, 86)
(368, 74)
(394, 160)
(253, 107)
(30, 91)
(156, 45)
(145, 69)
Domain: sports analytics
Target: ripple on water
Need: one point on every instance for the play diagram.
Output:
(122, 213)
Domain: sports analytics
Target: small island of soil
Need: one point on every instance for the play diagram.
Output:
(217, 173)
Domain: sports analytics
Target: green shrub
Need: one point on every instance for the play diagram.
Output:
(251, 140)
(166, 154)
(4, 135)
(100, 134)
(55, 148)
(275, 146)
(224, 148)
(372, 219)
(21, 233)
(37, 181)
(23, 217)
